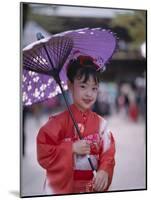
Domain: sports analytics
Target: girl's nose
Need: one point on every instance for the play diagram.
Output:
(89, 93)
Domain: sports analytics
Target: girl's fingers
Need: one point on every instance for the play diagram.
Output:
(86, 149)
(105, 185)
(97, 183)
(100, 185)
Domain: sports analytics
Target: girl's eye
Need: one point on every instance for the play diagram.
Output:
(82, 86)
(94, 89)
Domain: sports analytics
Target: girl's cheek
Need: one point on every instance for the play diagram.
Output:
(95, 93)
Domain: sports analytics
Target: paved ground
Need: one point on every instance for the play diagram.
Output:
(130, 156)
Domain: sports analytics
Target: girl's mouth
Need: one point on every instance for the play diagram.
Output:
(87, 101)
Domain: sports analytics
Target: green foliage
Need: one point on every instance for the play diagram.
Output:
(135, 23)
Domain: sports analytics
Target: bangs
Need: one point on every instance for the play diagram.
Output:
(83, 71)
(86, 72)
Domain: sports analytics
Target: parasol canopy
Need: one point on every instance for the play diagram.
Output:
(47, 57)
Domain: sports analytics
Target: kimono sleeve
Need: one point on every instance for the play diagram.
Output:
(55, 154)
(107, 155)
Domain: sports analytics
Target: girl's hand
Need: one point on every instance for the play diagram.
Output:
(81, 147)
(100, 182)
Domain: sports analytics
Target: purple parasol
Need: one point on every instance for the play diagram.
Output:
(38, 63)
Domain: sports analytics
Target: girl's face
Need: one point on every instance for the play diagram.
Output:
(84, 94)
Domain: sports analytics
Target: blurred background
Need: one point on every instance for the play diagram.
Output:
(122, 93)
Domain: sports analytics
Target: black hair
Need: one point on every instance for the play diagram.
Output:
(86, 68)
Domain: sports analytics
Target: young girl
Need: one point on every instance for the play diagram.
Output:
(59, 150)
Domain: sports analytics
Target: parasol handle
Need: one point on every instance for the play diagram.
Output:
(57, 79)
(75, 124)
(67, 104)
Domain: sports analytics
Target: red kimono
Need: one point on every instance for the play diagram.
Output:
(66, 171)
